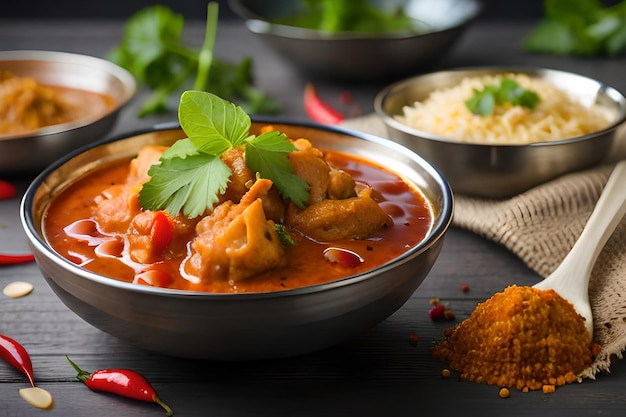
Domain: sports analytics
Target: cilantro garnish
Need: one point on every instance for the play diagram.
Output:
(484, 101)
(283, 234)
(155, 51)
(351, 16)
(191, 175)
(582, 27)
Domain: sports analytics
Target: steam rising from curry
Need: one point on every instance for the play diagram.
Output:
(359, 216)
(27, 106)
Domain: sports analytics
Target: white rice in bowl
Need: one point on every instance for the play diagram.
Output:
(557, 116)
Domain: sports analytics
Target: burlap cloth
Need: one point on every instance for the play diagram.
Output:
(541, 225)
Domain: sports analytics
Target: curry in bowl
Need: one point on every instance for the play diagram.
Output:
(261, 213)
(27, 105)
(52, 103)
(366, 281)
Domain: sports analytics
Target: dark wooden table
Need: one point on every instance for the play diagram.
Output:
(377, 374)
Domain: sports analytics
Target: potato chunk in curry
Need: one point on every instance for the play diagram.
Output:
(236, 241)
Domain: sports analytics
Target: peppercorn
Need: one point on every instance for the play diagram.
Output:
(448, 314)
(437, 312)
(464, 287)
(413, 339)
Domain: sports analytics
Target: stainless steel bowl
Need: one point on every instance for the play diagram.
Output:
(361, 56)
(499, 171)
(34, 151)
(238, 326)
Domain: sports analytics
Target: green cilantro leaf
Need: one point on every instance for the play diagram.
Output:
(511, 92)
(351, 16)
(581, 27)
(192, 184)
(154, 51)
(180, 149)
(483, 102)
(267, 155)
(283, 235)
(212, 124)
(190, 175)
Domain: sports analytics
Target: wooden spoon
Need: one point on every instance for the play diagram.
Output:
(571, 278)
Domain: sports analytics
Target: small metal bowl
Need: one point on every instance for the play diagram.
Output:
(245, 325)
(361, 56)
(32, 152)
(500, 171)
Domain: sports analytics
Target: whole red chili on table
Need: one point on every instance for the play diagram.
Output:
(123, 382)
(11, 259)
(7, 190)
(318, 110)
(17, 356)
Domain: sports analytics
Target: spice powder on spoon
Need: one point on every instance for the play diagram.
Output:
(523, 337)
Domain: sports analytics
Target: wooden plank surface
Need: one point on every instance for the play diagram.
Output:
(377, 374)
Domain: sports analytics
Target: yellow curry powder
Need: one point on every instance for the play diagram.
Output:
(522, 337)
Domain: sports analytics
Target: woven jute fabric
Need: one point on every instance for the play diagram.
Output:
(541, 225)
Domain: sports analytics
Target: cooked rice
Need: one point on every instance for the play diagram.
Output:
(557, 116)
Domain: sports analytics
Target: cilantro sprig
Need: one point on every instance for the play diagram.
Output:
(190, 175)
(351, 16)
(154, 50)
(582, 27)
(483, 102)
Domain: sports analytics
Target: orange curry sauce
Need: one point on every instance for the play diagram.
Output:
(26, 105)
(306, 264)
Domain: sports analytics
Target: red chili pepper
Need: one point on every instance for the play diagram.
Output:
(17, 356)
(345, 98)
(7, 190)
(162, 231)
(318, 110)
(8, 259)
(123, 382)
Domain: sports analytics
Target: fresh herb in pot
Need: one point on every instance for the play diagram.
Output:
(581, 27)
(484, 101)
(154, 51)
(350, 16)
(190, 175)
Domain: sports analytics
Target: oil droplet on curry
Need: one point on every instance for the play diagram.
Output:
(363, 214)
